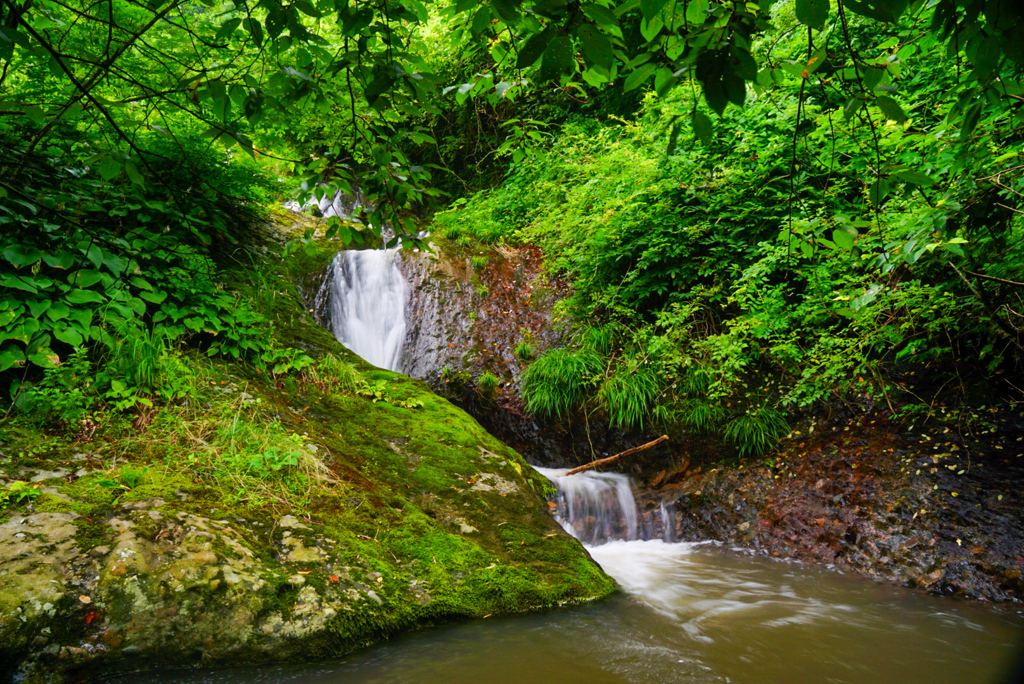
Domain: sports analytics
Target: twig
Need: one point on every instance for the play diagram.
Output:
(627, 452)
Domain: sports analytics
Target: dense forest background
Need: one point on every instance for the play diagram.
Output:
(764, 208)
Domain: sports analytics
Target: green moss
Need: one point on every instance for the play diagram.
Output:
(396, 505)
(47, 503)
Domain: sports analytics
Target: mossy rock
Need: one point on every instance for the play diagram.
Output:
(428, 519)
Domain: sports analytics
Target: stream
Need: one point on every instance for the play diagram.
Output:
(693, 613)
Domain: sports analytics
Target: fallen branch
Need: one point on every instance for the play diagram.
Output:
(627, 452)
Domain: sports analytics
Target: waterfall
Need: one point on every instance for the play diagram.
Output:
(599, 507)
(594, 507)
(368, 295)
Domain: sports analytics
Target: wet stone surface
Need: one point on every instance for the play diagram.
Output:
(920, 506)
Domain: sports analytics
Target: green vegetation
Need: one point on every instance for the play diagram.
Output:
(755, 272)
(487, 386)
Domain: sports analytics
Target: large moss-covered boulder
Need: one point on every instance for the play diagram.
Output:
(128, 555)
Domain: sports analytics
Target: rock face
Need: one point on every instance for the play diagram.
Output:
(425, 518)
(921, 507)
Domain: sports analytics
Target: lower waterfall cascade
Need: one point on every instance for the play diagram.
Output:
(599, 507)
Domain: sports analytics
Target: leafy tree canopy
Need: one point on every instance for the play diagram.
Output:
(240, 70)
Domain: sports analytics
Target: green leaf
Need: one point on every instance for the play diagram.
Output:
(703, 128)
(37, 307)
(108, 168)
(380, 85)
(481, 20)
(601, 15)
(878, 191)
(255, 30)
(21, 255)
(68, 335)
(10, 356)
(813, 13)
(227, 28)
(639, 76)
(891, 109)
(844, 237)
(531, 50)
(597, 48)
(915, 177)
(84, 297)
(58, 311)
(673, 138)
(507, 10)
(652, 8)
(880, 10)
(85, 277)
(558, 58)
(649, 28)
(62, 260)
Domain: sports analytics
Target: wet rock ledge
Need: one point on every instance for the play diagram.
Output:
(934, 506)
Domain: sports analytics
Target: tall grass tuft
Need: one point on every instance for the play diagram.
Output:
(629, 395)
(756, 431)
(487, 386)
(336, 373)
(701, 415)
(560, 381)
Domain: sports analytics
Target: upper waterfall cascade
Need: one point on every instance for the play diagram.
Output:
(367, 303)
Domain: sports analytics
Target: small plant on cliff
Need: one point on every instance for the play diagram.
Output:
(487, 386)
(756, 431)
(19, 492)
(524, 351)
(65, 394)
(629, 395)
(700, 415)
(332, 371)
(560, 381)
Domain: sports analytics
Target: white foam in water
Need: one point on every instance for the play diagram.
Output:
(368, 297)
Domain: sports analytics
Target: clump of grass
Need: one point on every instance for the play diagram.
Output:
(756, 431)
(487, 386)
(601, 340)
(560, 381)
(237, 446)
(334, 372)
(524, 351)
(629, 395)
(700, 415)
(480, 261)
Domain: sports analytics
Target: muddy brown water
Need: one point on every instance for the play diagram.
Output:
(693, 614)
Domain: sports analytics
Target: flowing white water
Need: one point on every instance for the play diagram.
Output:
(594, 507)
(368, 298)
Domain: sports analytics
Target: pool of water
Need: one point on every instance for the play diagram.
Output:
(693, 614)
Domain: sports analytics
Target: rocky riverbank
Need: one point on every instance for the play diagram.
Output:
(933, 505)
